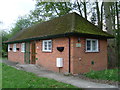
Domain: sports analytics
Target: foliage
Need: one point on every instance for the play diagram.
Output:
(110, 74)
(5, 36)
(21, 23)
(47, 10)
(4, 53)
(13, 78)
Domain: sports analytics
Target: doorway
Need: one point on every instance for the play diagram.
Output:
(27, 53)
(33, 52)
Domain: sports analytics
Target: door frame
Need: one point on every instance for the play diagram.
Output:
(33, 52)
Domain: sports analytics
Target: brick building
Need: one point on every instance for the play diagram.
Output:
(68, 43)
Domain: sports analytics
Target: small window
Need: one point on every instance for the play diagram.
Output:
(8, 47)
(91, 45)
(23, 47)
(14, 47)
(47, 45)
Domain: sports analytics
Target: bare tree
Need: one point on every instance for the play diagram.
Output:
(101, 19)
(85, 10)
(111, 43)
(79, 6)
(98, 13)
(108, 17)
(118, 34)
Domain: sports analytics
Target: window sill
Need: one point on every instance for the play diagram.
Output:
(47, 51)
(22, 51)
(92, 51)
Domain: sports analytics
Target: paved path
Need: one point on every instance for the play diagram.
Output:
(39, 71)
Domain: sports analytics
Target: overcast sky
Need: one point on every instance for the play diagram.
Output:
(10, 10)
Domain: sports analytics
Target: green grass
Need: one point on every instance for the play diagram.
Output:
(111, 74)
(3, 58)
(13, 78)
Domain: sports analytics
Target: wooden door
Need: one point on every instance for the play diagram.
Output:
(33, 53)
(27, 53)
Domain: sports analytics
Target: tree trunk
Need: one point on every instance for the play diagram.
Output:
(85, 10)
(108, 17)
(101, 21)
(118, 35)
(79, 6)
(98, 13)
(113, 15)
(111, 45)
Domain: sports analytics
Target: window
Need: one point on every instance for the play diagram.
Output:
(47, 45)
(91, 45)
(8, 47)
(23, 47)
(14, 47)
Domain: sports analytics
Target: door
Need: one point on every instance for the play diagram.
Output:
(33, 52)
(27, 53)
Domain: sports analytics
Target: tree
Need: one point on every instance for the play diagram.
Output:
(85, 9)
(118, 34)
(79, 6)
(93, 17)
(113, 46)
(98, 13)
(21, 23)
(101, 22)
(48, 10)
(4, 46)
(108, 17)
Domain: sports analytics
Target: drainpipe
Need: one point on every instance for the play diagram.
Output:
(69, 63)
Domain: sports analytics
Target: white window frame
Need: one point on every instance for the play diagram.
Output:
(22, 47)
(8, 47)
(43, 46)
(91, 48)
(14, 47)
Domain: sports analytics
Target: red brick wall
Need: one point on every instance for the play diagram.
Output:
(17, 56)
(48, 59)
(81, 60)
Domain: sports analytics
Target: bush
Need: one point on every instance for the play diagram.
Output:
(110, 74)
(4, 53)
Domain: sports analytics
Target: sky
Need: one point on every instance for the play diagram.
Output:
(10, 10)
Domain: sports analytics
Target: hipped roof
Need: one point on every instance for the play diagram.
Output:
(70, 24)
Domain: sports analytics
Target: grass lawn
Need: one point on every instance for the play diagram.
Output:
(3, 58)
(111, 74)
(13, 78)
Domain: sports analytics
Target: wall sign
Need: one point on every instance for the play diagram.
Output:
(78, 44)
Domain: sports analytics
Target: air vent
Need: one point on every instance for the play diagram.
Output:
(60, 49)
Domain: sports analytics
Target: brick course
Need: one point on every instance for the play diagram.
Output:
(17, 56)
(48, 59)
(80, 60)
